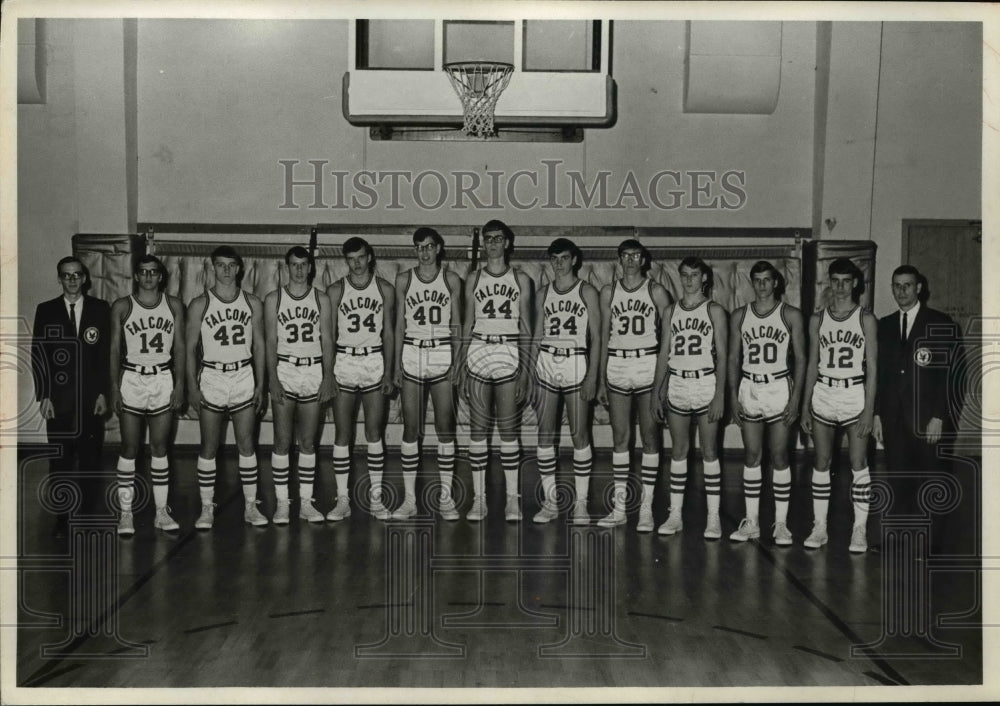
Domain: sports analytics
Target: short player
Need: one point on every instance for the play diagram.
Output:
(632, 310)
(362, 306)
(147, 373)
(567, 338)
(766, 393)
(226, 368)
(840, 392)
(691, 383)
(495, 345)
(427, 329)
(300, 371)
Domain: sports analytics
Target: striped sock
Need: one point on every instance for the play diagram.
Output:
(479, 454)
(861, 495)
(376, 465)
(279, 470)
(782, 484)
(126, 482)
(341, 468)
(446, 466)
(678, 480)
(307, 475)
(159, 469)
(248, 477)
(751, 492)
(583, 461)
(619, 473)
(649, 473)
(206, 479)
(510, 460)
(821, 495)
(547, 471)
(713, 485)
(409, 458)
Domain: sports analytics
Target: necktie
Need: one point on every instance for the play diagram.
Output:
(72, 317)
(902, 335)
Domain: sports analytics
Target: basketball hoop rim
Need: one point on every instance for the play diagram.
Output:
(454, 66)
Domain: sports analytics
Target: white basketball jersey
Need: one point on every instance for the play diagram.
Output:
(692, 342)
(148, 332)
(227, 329)
(566, 317)
(298, 324)
(634, 318)
(360, 314)
(765, 341)
(427, 307)
(841, 345)
(498, 303)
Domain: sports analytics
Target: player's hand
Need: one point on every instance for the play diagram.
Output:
(397, 380)
(278, 393)
(602, 393)
(388, 384)
(716, 407)
(194, 402)
(46, 408)
(176, 399)
(100, 406)
(260, 400)
(521, 385)
(790, 414)
(863, 427)
(933, 430)
(877, 429)
(326, 391)
(588, 389)
(807, 421)
(116, 402)
(737, 411)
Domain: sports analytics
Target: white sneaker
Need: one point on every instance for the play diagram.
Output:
(616, 518)
(478, 510)
(859, 540)
(447, 508)
(747, 530)
(512, 510)
(548, 513)
(580, 514)
(782, 537)
(378, 510)
(207, 517)
(817, 538)
(405, 511)
(713, 527)
(251, 515)
(341, 509)
(645, 519)
(281, 512)
(164, 521)
(673, 525)
(125, 526)
(308, 512)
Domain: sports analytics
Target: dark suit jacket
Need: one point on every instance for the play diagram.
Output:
(71, 371)
(913, 379)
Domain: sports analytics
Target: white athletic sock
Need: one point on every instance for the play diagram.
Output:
(248, 477)
(341, 467)
(446, 466)
(821, 495)
(510, 460)
(678, 480)
(159, 469)
(409, 452)
(751, 492)
(583, 460)
(547, 471)
(782, 484)
(861, 495)
(307, 475)
(126, 483)
(650, 469)
(619, 475)
(206, 479)
(713, 485)
(478, 456)
(279, 470)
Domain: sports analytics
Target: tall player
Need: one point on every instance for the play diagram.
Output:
(632, 309)
(362, 306)
(840, 392)
(691, 383)
(226, 366)
(300, 371)
(567, 337)
(495, 337)
(147, 373)
(765, 394)
(427, 330)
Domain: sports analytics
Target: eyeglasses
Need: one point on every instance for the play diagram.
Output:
(70, 276)
(427, 247)
(633, 256)
(149, 273)
(493, 238)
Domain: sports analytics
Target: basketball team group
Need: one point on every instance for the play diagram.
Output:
(493, 340)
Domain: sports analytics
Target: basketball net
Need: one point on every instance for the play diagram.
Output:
(479, 85)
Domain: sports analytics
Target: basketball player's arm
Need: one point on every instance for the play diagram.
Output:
(259, 354)
(468, 323)
(333, 293)
(178, 354)
(327, 390)
(524, 339)
(812, 374)
(271, 336)
(592, 301)
(870, 328)
(397, 379)
(735, 362)
(797, 331)
(196, 310)
(539, 328)
(388, 336)
(118, 312)
(455, 284)
(602, 367)
(720, 325)
(659, 393)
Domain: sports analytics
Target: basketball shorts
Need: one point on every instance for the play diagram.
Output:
(492, 363)
(837, 406)
(560, 372)
(426, 365)
(147, 395)
(359, 373)
(690, 396)
(226, 391)
(631, 376)
(300, 382)
(764, 401)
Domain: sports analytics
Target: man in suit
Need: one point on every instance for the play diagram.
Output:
(70, 348)
(917, 346)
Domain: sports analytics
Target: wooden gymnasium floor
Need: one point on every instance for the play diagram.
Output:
(493, 604)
